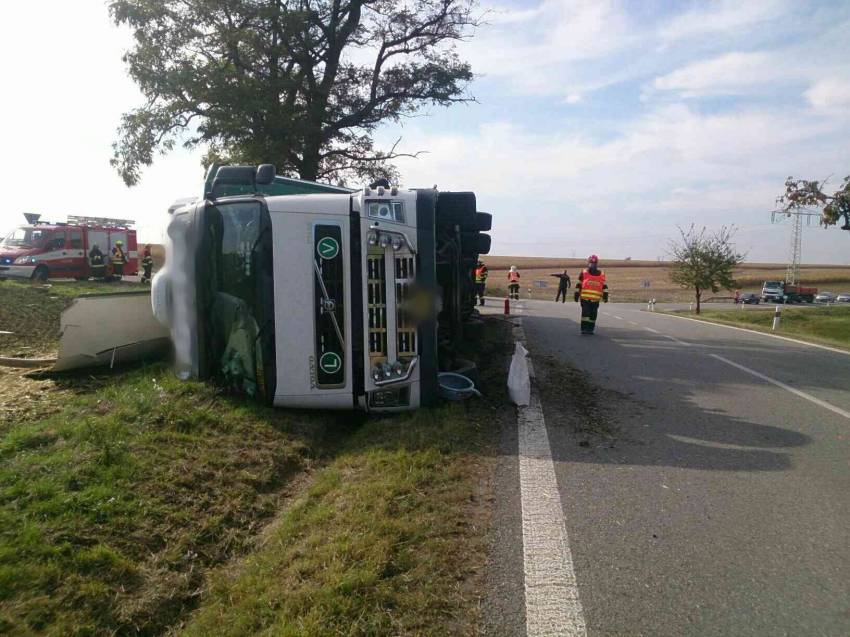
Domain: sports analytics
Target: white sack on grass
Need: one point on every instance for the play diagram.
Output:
(519, 384)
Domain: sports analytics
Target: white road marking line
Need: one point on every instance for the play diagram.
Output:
(619, 318)
(796, 392)
(743, 329)
(649, 329)
(633, 323)
(552, 605)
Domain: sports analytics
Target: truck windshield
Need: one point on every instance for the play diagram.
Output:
(237, 293)
(24, 237)
(773, 285)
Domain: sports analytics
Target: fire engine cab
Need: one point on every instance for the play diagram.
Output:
(41, 249)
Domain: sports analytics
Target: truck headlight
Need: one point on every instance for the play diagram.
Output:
(24, 260)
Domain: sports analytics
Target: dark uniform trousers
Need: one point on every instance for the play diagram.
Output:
(589, 311)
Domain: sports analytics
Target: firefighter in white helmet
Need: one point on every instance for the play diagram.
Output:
(513, 283)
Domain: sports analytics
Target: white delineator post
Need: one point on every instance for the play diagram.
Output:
(776, 316)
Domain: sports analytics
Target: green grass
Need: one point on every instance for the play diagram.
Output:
(114, 508)
(134, 503)
(828, 325)
(389, 539)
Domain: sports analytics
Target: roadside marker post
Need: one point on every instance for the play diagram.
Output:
(777, 315)
(507, 306)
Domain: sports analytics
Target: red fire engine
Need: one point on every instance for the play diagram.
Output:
(41, 249)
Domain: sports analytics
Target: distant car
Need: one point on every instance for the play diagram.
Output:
(825, 297)
(750, 298)
(844, 297)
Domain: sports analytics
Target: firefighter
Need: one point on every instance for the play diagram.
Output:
(590, 289)
(119, 258)
(480, 281)
(147, 265)
(97, 262)
(563, 286)
(513, 283)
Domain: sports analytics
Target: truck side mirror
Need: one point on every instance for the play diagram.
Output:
(265, 174)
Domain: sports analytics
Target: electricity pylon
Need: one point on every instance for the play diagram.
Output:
(792, 274)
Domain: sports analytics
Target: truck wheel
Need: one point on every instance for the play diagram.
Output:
(483, 221)
(456, 208)
(40, 274)
(475, 243)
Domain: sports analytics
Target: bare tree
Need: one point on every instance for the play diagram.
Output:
(802, 193)
(704, 261)
(302, 84)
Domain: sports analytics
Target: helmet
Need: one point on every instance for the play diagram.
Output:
(593, 259)
(480, 262)
(513, 268)
(119, 243)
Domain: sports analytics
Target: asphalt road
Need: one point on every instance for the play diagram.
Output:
(702, 495)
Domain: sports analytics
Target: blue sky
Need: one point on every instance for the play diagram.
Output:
(599, 126)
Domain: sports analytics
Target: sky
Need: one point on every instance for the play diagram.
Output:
(598, 126)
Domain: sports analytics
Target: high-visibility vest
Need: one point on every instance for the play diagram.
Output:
(513, 277)
(481, 274)
(592, 286)
(118, 256)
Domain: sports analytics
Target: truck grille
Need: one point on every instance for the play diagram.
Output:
(376, 303)
(405, 329)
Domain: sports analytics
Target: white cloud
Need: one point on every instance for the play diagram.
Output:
(728, 74)
(723, 18)
(831, 93)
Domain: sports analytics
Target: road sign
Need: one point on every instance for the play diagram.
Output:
(330, 362)
(327, 247)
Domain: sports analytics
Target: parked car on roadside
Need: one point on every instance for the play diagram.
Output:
(844, 297)
(825, 297)
(750, 298)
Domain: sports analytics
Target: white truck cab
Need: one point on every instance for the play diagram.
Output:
(333, 301)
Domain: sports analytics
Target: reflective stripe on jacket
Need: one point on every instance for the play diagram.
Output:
(118, 255)
(592, 286)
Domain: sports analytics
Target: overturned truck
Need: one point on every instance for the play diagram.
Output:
(340, 299)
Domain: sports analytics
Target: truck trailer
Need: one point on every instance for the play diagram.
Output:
(337, 300)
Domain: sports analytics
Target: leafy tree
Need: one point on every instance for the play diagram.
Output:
(302, 84)
(704, 261)
(802, 193)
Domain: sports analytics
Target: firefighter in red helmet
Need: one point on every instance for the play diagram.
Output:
(590, 289)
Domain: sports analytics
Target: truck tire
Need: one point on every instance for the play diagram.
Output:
(456, 208)
(474, 243)
(483, 221)
(41, 274)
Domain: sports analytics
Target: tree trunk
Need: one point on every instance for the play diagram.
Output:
(698, 295)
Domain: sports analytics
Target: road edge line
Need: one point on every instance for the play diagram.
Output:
(744, 329)
(552, 604)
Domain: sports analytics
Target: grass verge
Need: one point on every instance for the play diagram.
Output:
(824, 325)
(134, 503)
(389, 539)
(114, 508)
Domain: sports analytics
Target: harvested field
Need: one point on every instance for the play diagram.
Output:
(625, 278)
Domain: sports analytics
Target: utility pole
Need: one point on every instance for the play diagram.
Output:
(792, 275)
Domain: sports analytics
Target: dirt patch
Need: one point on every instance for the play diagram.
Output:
(573, 401)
